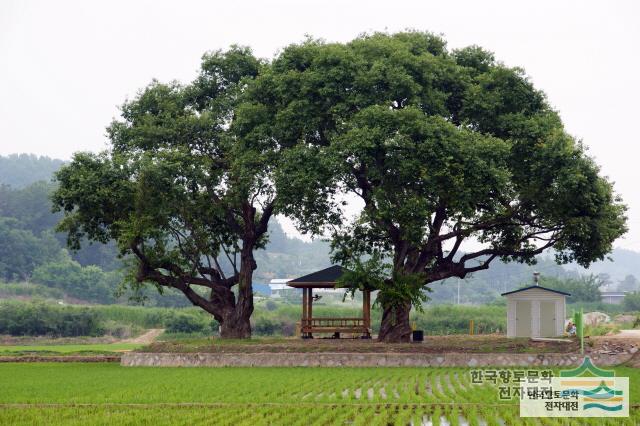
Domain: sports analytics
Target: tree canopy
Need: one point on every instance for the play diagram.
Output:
(179, 191)
(442, 148)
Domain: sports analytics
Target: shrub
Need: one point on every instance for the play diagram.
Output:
(82, 282)
(183, 323)
(454, 319)
(631, 301)
(39, 319)
(270, 305)
(601, 329)
(119, 330)
(265, 327)
(607, 308)
(10, 290)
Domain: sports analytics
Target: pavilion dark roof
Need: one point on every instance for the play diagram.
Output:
(323, 278)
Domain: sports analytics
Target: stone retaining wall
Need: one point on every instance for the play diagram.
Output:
(135, 359)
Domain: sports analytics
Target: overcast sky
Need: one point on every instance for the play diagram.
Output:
(66, 66)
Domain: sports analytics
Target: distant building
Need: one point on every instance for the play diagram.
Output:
(277, 286)
(612, 297)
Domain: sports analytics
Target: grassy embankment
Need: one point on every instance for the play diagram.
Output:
(82, 349)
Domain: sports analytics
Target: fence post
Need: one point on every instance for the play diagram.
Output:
(581, 331)
(578, 322)
(471, 327)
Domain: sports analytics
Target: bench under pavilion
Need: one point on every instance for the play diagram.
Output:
(327, 279)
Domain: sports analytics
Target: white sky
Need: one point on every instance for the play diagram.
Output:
(65, 66)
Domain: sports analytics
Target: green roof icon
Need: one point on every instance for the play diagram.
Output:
(587, 365)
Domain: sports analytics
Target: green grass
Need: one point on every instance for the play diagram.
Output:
(67, 349)
(106, 393)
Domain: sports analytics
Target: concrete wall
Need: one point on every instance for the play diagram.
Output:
(134, 359)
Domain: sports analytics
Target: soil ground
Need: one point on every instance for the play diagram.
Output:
(149, 336)
(626, 334)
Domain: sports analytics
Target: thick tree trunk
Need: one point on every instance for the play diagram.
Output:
(235, 326)
(395, 327)
(235, 322)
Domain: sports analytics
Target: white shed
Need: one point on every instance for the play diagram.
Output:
(535, 311)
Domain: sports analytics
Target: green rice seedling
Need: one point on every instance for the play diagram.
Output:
(471, 415)
(364, 417)
(93, 392)
(453, 416)
(436, 415)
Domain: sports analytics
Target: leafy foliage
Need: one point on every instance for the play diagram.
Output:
(441, 147)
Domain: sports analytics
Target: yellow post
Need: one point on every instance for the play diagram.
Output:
(471, 328)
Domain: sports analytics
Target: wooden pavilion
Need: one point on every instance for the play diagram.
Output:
(327, 278)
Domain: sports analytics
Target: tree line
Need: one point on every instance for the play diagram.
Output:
(440, 146)
(31, 251)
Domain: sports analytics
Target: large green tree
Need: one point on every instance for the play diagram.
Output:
(442, 148)
(183, 197)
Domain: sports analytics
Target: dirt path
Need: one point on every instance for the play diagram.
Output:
(146, 338)
(627, 334)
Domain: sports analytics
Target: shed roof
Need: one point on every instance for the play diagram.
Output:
(537, 287)
(325, 278)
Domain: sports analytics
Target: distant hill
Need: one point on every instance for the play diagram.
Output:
(289, 257)
(21, 170)
(625, 262)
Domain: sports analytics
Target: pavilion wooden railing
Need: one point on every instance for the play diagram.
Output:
(333, 323)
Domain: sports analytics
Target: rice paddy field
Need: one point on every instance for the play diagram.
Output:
(106, 393)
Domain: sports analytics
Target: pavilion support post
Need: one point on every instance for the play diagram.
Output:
(310, 309)
(303, 322)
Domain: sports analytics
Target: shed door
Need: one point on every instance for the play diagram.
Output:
(547, 318)
(523, 318)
